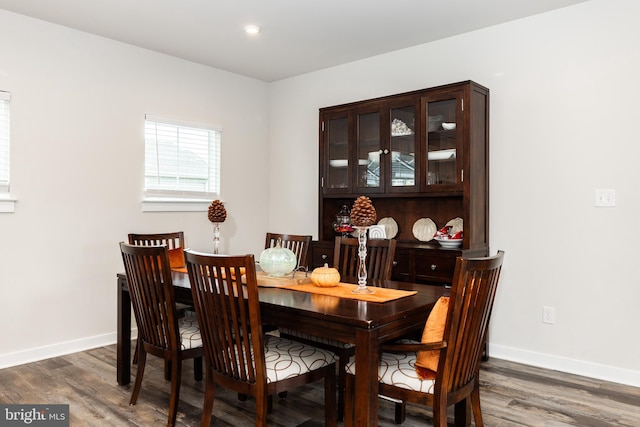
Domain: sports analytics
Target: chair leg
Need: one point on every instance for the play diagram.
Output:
(197, 368)
(142, 359)
(343, 358)
(348, 404)
(330, 414)
(209, 397)
(261, 409)
(135, 352)
(174, 397)
(462, 412)
(400, 412)
(475, 406)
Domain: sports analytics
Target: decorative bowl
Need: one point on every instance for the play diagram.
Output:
(448, 126)
(449, 243)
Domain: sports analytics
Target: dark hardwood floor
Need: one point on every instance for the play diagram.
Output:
(512, 395)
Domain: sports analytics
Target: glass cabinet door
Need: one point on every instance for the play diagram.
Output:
(370, 169)
(337, 149)
(443, 139)
(402, 148)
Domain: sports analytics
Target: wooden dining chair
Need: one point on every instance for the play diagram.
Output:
(443, 370)
(175, 246)
(298, 244)
(160, 331)
(238, 355)
(174, 242)
(379, 262)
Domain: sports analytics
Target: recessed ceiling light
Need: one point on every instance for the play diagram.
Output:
(252, 29)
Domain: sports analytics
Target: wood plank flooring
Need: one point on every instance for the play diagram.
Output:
(512, 395)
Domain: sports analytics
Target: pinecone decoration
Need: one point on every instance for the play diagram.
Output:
(363, 214)
(217, 212)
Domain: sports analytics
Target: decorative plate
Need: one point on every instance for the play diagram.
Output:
(456, 225)
(390, 226)
(377, 232)
(424, 229)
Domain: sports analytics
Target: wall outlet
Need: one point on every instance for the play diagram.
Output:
(549, 315)
(605, 198)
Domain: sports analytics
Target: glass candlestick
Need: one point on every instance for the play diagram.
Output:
(216, 237)
(362, 262)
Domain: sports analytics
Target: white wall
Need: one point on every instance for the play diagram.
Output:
(564, 97)
(77, 121)
(564, 105)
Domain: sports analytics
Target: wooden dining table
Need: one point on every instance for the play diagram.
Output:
(364, 323)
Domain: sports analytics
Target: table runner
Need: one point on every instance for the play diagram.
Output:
(343, 290)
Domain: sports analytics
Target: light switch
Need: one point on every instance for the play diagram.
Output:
(605, 198)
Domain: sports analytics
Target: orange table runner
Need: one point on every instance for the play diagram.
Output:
(343, 290)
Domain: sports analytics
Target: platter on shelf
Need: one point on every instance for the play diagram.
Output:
(390, 226)
(424, 229)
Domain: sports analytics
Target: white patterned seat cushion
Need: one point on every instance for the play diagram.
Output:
(398, 369)
(315, 338)
(286, 358)
(189, 333)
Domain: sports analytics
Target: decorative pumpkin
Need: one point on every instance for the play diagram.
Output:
(325, 277)
(278, 261)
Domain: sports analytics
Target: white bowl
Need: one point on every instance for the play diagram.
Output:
(449, 243)
(448, 126)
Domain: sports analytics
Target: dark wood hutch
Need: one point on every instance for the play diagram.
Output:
(420, 154)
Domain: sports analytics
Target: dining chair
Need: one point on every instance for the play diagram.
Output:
(379, 262)
(298, 244)
(174, 242)
(444, 369)
(175, 246)
(160, 331)
(238, 354)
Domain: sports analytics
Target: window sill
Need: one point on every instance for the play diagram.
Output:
(175, 205)
(7, 205)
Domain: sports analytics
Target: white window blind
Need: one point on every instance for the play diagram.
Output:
(182, 160)
(5, 97)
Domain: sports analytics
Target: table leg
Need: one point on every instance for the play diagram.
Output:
(366, 387)
(123, 347)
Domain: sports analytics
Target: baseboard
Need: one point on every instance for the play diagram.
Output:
(563, 364)
(58, 349)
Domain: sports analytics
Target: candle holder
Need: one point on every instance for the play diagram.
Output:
(216, 237)
(362, 262)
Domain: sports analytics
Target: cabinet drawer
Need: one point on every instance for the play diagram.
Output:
(435, 268)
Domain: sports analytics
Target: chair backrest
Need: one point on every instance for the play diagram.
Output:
(379, 260)
(473, 291)
(172, 240)
(151, 289)
(229, 316)
(298, 244)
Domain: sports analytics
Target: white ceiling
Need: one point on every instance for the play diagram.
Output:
(298, 36)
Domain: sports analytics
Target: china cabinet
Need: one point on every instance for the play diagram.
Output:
(421, 154)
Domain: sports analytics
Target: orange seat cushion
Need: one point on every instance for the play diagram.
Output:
(427, 361)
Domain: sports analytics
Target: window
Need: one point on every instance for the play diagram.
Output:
(182, 160)
(5, 97)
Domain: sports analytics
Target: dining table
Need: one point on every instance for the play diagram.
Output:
(349, 318)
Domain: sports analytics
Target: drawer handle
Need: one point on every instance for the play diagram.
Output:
(324, 256)
(395, 263)
(433, 267)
